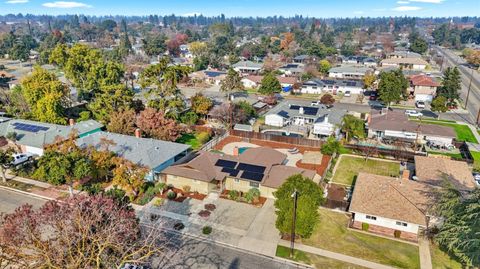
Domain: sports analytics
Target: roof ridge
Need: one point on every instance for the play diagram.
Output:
(404, 196)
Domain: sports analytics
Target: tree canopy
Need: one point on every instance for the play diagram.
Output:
(392, 87)
(270, 85)
(451, 85)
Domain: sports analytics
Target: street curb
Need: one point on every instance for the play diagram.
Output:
(27, 193)
(204, 238)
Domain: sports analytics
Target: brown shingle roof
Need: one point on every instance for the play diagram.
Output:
(435, 170)
(279, 173)
(423, 80)
(396, 199)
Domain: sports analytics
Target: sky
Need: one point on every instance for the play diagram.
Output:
(246, 8)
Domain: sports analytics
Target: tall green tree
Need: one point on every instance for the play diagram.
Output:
(45, 95)
(270, 85)
(353, 127)
(439, 104)
(392, 87)
(110, 99)
(232, 82)
(162, 78)
(310, 197)
(451, 85)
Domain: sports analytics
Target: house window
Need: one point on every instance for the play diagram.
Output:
(399, 223)
(236, 180)
(371, 217)
(254, 184)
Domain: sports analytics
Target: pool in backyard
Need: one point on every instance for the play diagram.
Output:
(242, 150)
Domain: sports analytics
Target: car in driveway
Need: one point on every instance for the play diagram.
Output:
(476, 176)
(347, 94)
(413, 113)
(420, 104)
(20, 158)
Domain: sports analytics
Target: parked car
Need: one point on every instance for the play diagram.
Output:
(476, 176)
(413, 113)
(347, 94)
(20, 158)
(315, 103)
(420, 104)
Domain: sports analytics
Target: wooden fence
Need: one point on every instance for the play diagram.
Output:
(278, 138)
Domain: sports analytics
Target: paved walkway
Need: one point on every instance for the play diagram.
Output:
(424, 250)
(336, 256)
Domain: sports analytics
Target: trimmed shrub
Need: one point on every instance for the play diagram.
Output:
(186, 188)
(397, 234)
(158, 202)
(210, 207)
(203, 137)
(204, 213)
(171, 195)
(207, 230)
(365, 226)
(233, 194)
(252, 195)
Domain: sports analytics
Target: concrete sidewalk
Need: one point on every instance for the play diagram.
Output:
(336, 256)
(424, 250)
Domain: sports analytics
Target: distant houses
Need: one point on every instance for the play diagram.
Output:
(349, 72)
(423, 88)
(333, 86)
(247, 67)
(405, 63)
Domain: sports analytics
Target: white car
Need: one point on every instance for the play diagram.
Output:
(20, 158)
(476, 176)
(315, 103)
(347, 94)
(413, 113)
(420, 104)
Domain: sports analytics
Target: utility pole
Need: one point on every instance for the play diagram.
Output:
(292, 239)
(478, 117)
(469, 88)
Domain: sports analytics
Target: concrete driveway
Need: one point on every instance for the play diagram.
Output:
(10, 200)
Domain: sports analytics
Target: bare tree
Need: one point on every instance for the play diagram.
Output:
(81, 232)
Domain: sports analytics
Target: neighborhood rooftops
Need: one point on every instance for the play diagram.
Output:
(423, 80)
(291, 109)
(405, 54)
(262, 165)
(396, 199)
(38, 134)
(334, 83)
(147, 152)
(435, 170)
(398, 61)
(351, 69)
(398, 121)
(248, 64)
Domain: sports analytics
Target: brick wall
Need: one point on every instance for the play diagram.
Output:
(385, 231)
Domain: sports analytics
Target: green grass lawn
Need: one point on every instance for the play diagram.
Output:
(475, 156)
(331, 233)
(441, 260)
(463, 131)
(193, 139)
(453, 155)
(349, 167)
(316, 260)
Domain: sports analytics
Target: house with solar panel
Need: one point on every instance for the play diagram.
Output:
(206, 172)
(319, 121)
(333, 86)
(156, 155)
(33, 137)
(213, 77)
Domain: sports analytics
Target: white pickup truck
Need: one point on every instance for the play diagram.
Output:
(20, 158)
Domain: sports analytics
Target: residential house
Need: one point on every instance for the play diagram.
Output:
(436, 170)
(322, 121)
(360, 60)
(403, 54)
(33, 136)
(262, 168)
(334, 86)
(423, 87)
(304, 59)
(349, 72)
(255, 81)
(405, 63)
(395, 125)
(213, 77)
(388, 205)
(292, 69)
(154, 154)
(247, 67)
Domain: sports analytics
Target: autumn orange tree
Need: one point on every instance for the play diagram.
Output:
(128, 176)
(154, 124)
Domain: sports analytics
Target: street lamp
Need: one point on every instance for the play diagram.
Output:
(292, 239)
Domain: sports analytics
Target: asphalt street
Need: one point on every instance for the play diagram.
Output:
(10, 200)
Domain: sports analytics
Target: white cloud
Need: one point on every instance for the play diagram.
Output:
(62, 4)
(428, 1)
(17, 1)
(403, 2)
(406, 8)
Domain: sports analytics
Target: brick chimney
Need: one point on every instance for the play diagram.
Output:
(138, 133)
(236, 151)
(71, 122)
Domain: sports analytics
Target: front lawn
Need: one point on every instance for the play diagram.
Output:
(331, 233)
(349, 167)
(452, 155)
(464, 133)
(312, 259)
(195, 140)
(441, 260)
(475, 155)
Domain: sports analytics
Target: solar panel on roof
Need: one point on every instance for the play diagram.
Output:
(310, 110)
(294, 107)
(230, 171)
(350, 83)
(226, 163)
(29, 127)
(329, 82)
(252, 176)
(251, 168)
